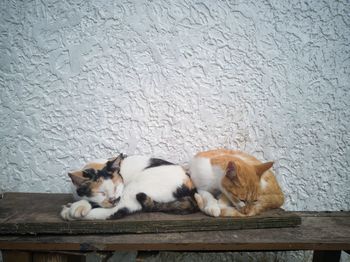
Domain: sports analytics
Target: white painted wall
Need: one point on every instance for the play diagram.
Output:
(88, 79)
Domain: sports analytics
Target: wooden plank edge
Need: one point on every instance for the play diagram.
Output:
(138, 227)
(73, 246)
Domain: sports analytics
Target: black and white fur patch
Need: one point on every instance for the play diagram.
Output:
(154, 162)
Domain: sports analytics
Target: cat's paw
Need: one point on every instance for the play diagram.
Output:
(207, 208)
(65, 212)
(75, 211)
(79, 209)
(200, 201)
(213, 211)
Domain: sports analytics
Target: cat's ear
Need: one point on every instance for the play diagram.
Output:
(260, 169)
(231, 171)
(77, 178)
(113, 164)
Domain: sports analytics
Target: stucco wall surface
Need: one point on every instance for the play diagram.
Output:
(82, 80)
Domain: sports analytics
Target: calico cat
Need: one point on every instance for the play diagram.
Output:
(127, 184)
(243, 185)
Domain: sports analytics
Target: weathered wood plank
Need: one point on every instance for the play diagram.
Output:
(315, 233)
(35, 213)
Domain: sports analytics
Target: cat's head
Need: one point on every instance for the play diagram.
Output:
(241, 183)
(100, 183)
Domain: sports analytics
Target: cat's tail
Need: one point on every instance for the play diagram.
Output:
(181, 206)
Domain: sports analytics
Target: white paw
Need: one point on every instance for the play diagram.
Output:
(79, 209)
(200, 201)
(65, 212)
(76, 211)
(213, 211)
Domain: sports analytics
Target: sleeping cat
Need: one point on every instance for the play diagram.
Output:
(127, 184)
(243, 185)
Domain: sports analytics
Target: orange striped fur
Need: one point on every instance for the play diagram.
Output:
(249, 186)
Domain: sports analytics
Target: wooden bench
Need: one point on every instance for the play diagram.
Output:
(29, 223)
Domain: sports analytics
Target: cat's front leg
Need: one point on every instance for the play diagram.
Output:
(127, 205)
(226, 208)
(207, 203)
(75, 211)
(101, 213)
(82, 210)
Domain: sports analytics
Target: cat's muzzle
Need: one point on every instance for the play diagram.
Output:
(114, 201)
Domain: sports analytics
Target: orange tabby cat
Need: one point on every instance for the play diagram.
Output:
(243, 185)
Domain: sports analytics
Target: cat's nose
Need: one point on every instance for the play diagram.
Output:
(112, 200)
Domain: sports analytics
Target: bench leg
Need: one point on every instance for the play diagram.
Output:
(49, 257)
(326, 256)
(15, 256)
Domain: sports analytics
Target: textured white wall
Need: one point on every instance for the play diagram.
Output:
(88, 79)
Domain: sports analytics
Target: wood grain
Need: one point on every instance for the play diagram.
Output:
(36, 213)
(315, 233)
